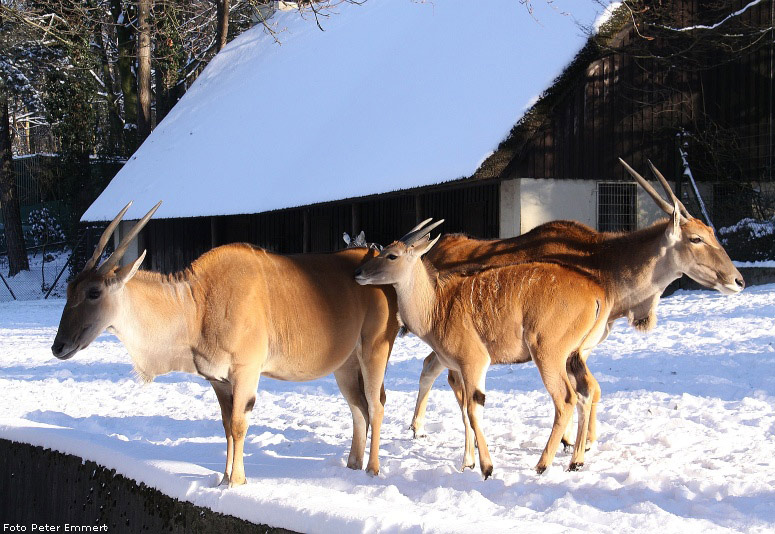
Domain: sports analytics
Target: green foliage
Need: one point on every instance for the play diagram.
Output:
(68, 97)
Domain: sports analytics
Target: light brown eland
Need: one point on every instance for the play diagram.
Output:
(634, 268)
(239, 312)
(539, 311)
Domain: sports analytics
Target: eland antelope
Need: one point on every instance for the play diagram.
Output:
(239, 312)
(540, 311)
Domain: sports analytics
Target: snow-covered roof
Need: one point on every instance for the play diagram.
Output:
(393, 94)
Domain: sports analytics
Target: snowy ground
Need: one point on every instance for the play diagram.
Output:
(686, 432)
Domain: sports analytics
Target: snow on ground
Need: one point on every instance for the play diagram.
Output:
(686, 432)
(763, 263)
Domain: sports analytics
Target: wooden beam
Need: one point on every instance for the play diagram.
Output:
(306, 233)
(213, 232)
(355, 219)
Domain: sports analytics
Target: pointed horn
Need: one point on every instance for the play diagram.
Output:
(410, 234)
(669, 190)
(95, 257)
(420, 232)
(426, 221)
(114, 258)
(661, 202)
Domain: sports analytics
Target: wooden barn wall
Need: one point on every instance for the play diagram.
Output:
(386, 219)
(280, 231)
(327, 224)
(472, 208)
(739, 96)
(173, 244)
(614, 110)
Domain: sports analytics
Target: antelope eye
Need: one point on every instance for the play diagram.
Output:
(93, 294)
(695, 239)
(391, 256)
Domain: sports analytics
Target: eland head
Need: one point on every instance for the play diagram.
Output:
(92, 296)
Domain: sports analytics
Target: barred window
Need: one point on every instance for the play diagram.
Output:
(617, 206)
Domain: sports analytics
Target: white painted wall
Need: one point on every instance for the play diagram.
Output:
(133, 252)
(544, 200)
(510, 208)
(527, 202)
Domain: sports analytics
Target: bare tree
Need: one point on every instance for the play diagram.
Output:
(9, 198)
(222, 20)
(144, 95)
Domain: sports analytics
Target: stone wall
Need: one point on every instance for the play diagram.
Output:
(41, 490)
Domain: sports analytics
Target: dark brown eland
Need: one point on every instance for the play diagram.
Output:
(635, 268)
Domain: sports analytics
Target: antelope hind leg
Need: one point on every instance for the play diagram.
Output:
(350, 382)
(374, 357)
(563, 396)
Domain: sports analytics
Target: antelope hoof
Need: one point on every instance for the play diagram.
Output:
(567, 448)
(487, 471)
(467, 466)
(373, 471)
(224, 481)
(418, 433)
(355, 465)
(234, 483)
(540, 469)
(575, 466)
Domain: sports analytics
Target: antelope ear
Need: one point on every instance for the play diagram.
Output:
(125, 273)
(674, 229)
(418, 249)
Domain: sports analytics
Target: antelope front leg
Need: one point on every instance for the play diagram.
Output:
(567, 440)
(456, 383)
(473, 386)
(223, 393)
(245, 383)
(350, 383)
(595, 398)
(431, 369)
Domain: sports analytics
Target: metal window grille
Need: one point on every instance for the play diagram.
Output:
(617, 206)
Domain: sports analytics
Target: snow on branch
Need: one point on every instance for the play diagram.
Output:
(688, 173)
(719, 23)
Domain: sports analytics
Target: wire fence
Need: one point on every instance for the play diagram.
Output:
(51, 267)
(49, 270)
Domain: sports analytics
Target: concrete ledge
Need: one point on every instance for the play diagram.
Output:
(42, 488)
